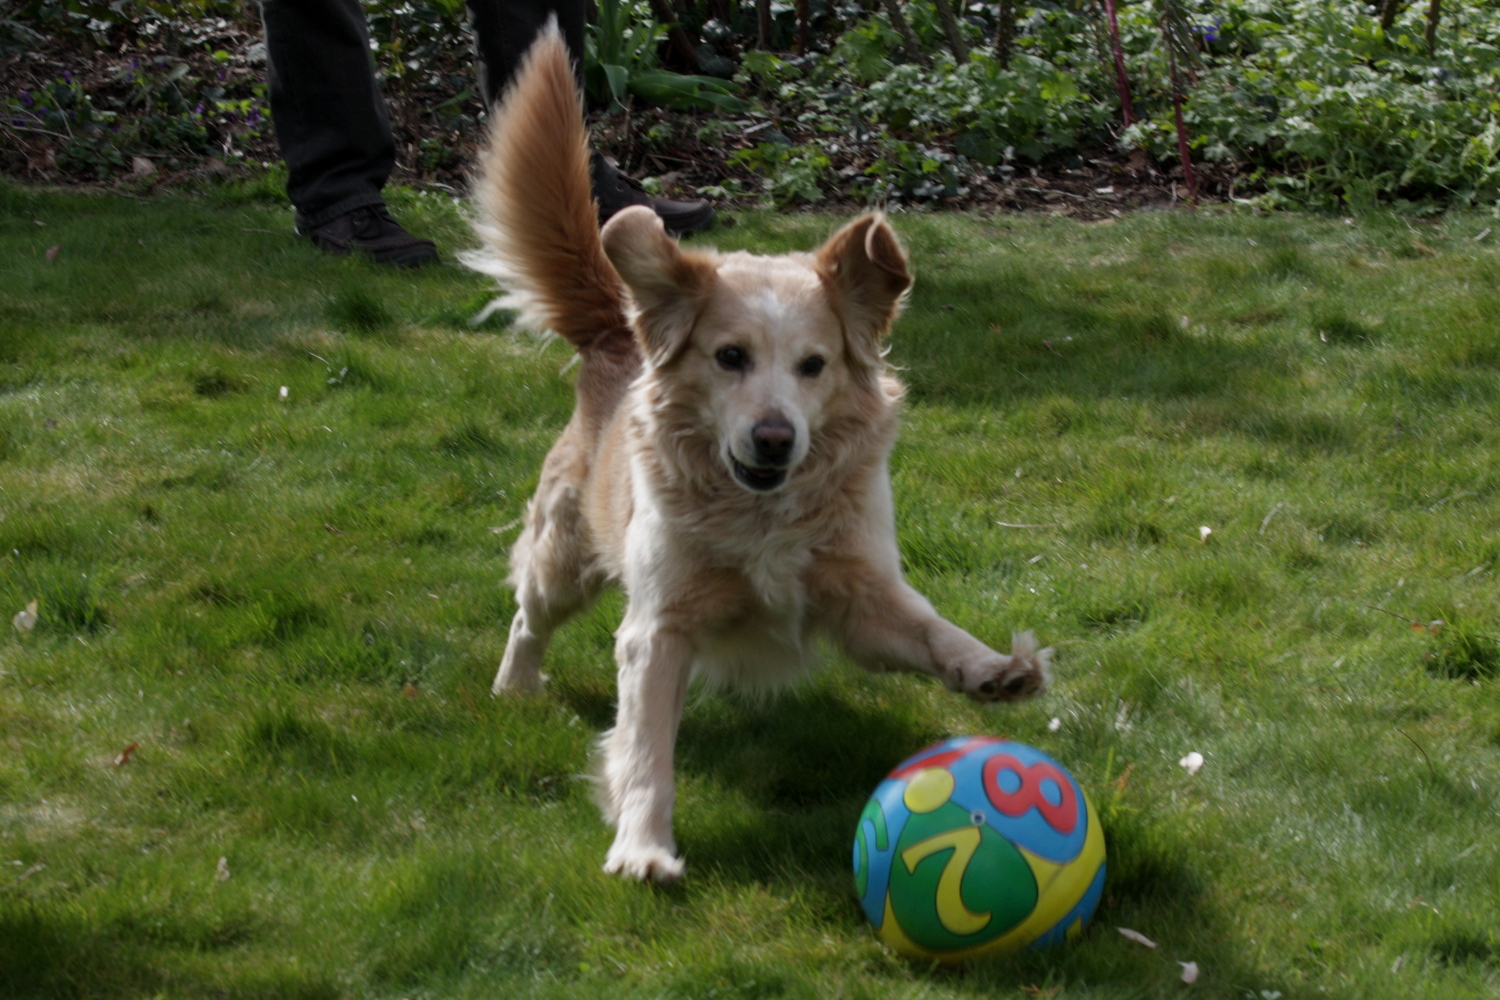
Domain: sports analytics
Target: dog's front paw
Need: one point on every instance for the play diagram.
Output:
(653, 864)
(517, 682)
(1025, 673)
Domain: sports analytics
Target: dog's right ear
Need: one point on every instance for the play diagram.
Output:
(670, 287)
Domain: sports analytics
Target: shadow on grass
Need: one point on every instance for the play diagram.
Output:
(50, 955)
(798, 772)
(1023, 335)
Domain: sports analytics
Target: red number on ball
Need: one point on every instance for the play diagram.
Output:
(1063, 816)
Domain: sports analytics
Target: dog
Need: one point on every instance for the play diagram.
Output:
(726, 464)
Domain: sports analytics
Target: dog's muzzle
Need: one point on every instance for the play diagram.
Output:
(774, 442)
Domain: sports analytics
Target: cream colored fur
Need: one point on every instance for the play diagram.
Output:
(726, 464)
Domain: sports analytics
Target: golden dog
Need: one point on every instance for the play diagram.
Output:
(725, 465)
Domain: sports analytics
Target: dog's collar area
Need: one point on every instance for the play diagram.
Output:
(760, 479)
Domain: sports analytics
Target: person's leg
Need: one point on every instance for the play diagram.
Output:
(333, 129)
(326, 107)
(503, 31)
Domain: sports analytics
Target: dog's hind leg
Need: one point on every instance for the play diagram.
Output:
(550, 571)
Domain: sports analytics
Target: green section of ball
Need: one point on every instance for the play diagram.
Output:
(955, 884)
(876, 816)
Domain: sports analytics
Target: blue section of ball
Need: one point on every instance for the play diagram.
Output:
(1030, 830)
(893, 811)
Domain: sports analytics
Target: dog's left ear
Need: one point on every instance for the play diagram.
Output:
(669, 286)
(864, 269)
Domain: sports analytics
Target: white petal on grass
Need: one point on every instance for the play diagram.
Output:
(1203, 532)
(25, 619)
(222, 875)
(283, 392)
(1136, 936)
(1054, 725)
(1192, 762)
(1189, 972)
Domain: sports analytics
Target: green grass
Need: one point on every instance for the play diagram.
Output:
(295, 608)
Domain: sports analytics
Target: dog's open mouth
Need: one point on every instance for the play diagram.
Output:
(759, 478)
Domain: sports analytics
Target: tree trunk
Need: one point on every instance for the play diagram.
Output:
(677, 39)
(951, 29)
(1188, 175)
(1005, 32)
(763, 24)
(804, 20)
(1388, 13)
(1122, 82)
(908, 39)
(1434, 10)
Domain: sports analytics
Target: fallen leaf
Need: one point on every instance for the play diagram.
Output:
(1189, 972)
(1192, 762)
(125, 755)
(141, 167)
(52, 252)
(222, 875)
(411, 691)
(25, 619)
(1041, 993)
(1136, 936)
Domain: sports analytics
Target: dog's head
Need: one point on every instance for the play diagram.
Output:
(765, 350)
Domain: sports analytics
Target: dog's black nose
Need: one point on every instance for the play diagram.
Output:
(773, 440)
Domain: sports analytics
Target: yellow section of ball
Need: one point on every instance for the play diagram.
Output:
(1060, 887)
(928, 790)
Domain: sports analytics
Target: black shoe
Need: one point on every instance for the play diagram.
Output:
(614, 189)
(372, 232)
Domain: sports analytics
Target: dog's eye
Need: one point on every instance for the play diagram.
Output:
(732, 359)
(812, 366)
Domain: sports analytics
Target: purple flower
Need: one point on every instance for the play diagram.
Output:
(26, 98)
(67, 76)
(1211, 31)
(198, 110)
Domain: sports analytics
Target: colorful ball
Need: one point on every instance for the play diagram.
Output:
(978, 845)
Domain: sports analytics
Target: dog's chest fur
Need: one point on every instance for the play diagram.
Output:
(768, 644)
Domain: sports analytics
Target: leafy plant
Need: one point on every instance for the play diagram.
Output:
(620, 61)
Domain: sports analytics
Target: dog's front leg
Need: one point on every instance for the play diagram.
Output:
(884, 624)
(637, 791)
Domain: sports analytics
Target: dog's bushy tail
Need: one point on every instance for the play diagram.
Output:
(536, 211)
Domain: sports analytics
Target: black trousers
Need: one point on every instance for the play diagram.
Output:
(330, 119)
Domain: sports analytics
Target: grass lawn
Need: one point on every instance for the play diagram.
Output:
(292, 607)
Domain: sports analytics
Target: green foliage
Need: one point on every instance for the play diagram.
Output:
(793, 175)
(620, 59)
(1306, 100)
(1312, 91)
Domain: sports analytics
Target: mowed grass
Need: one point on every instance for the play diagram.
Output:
(293, 607)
